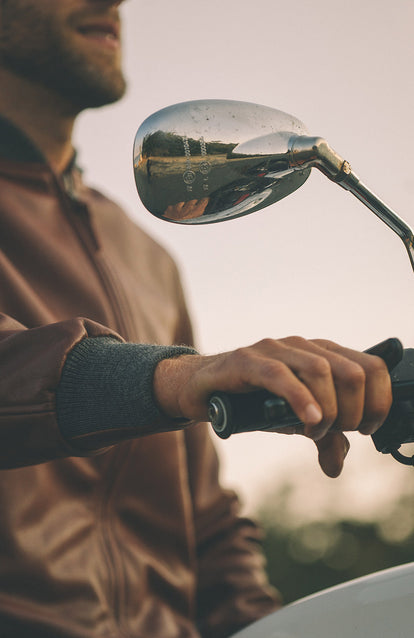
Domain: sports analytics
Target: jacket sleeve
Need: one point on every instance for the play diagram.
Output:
(73, 388)
(31, 362)
(233, 590)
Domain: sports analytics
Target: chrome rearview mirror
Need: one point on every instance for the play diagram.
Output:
(206, 161)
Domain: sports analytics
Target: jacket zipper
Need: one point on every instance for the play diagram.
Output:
(90, 244)
(116, 576)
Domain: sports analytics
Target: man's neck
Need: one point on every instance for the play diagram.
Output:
(42, 115)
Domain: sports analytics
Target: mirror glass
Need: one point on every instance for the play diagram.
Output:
(205, 161)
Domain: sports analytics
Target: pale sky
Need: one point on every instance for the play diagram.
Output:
(318, 263)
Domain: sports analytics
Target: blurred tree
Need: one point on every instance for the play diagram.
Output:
(308, 556)
(164, 144)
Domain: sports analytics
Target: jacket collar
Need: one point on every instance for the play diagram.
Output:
(15, 146)
(21, 159)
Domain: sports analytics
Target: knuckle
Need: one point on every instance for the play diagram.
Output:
(252, 363)
(319, 367)
(354, 376)
(273, 368)
(325, 343)
(267, 343)
(295, 341)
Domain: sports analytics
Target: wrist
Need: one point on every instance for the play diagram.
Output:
(170, 376)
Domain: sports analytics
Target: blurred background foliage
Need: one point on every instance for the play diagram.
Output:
(308, 553)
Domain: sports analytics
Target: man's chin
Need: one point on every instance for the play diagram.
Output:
(95, 98)
(87, 90)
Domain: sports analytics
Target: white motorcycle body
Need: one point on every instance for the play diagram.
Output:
(377, 606)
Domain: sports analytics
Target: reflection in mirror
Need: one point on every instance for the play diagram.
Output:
(204, 161)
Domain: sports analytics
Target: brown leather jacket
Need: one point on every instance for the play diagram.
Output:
(137, 540)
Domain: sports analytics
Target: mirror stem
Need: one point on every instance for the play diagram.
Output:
(377, 206)
(315, 151)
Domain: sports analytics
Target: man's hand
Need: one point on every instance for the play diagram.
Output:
(330, 388)
(186, 210)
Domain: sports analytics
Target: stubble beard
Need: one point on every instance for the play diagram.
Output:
(40, 54)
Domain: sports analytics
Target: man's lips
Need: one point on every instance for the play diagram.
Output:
(106, 32)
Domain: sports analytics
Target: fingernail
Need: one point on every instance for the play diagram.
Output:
(313, 415)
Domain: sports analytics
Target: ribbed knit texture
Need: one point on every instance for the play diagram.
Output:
(106, 384)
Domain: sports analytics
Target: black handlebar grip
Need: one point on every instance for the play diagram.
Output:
(260, 410)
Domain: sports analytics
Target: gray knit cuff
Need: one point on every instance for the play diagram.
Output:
(107, 386)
